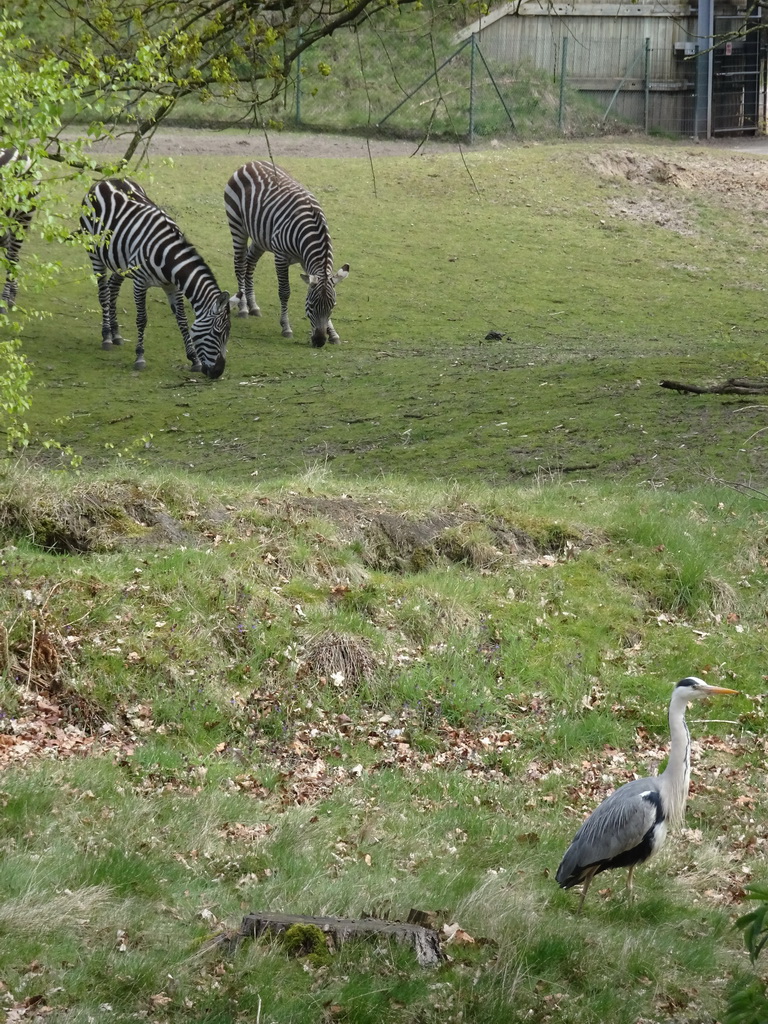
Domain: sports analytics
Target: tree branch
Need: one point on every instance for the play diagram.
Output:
(733, 386)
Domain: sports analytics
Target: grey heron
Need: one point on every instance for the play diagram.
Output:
(630, 825)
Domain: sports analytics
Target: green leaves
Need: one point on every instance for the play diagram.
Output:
(33, 97)
(130, 61)
(755, 924)
(747, 1002)
(15, 377)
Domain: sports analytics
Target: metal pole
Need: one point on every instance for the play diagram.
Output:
(422, 84)
(647, 107)
(618, 88)
(704, 27)
(495, 86)
(710, 68)
(298, 83)
(563, 63)
(472, 90)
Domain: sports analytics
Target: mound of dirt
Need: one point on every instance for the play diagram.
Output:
(122, 516)
(107, 519)
(665, 183)
(640, 167)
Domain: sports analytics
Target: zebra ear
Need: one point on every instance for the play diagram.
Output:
(223, 301)
(341, 273)
(310, 279)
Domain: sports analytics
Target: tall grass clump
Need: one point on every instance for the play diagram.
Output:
(693, 565)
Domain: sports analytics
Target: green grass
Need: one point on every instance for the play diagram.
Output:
(350, 633)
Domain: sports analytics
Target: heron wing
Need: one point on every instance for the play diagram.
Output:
(619, 824)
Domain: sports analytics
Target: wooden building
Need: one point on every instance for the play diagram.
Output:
(636, 60)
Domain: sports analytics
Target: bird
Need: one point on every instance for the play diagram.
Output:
(630, 825)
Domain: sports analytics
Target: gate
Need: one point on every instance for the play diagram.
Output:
(736, 76)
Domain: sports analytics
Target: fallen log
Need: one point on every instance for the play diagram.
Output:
(733, 386)
(425, 942)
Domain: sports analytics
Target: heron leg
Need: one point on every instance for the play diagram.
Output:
(587, 880)
(630, 890)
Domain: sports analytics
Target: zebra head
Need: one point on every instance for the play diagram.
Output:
(210, 333)
(321, 298)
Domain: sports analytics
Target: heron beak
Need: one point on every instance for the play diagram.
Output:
(720, 689)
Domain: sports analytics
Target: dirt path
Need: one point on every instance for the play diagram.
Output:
(255, 145)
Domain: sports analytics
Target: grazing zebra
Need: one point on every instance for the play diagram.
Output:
(134, 238)
(17, 218)
(268, 206)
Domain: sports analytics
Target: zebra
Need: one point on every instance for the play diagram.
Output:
(280, 216)
(18, 217)
(132, 237)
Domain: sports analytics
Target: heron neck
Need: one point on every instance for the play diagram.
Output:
(676, 776)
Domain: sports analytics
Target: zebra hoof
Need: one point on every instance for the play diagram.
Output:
(140, 364)
(243, 313)
(334, 341)
(196, 367)
(106, 344)
(117, 339)
(254, 312)
(287, 334)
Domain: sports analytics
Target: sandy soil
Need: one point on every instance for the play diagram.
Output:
(665, 180)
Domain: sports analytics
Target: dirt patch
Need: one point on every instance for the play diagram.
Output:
(396, 542)
(666, 183)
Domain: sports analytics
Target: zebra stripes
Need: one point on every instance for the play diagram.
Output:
(278, 215)
(132, 237)
(18, 217)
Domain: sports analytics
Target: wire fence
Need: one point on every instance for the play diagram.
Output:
(540, 78)
(468, 94)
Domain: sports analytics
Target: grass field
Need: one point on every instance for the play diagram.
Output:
(594, 309)
(372, 628)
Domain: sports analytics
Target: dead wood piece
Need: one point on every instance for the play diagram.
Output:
(425, 942)
(733, 386)
(426, 918)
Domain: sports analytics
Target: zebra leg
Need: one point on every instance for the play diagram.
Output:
(253, 257)
(244, 264)
(140, 296)
(176, 301)
(12, 245)
(284, 293)
(333, 338)
(114, 328)
(104, 301)
(8, 298)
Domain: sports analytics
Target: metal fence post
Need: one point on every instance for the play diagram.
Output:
(298, 82)
(563, 62)
(704, 33)
(647, 99)
(472, 89)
